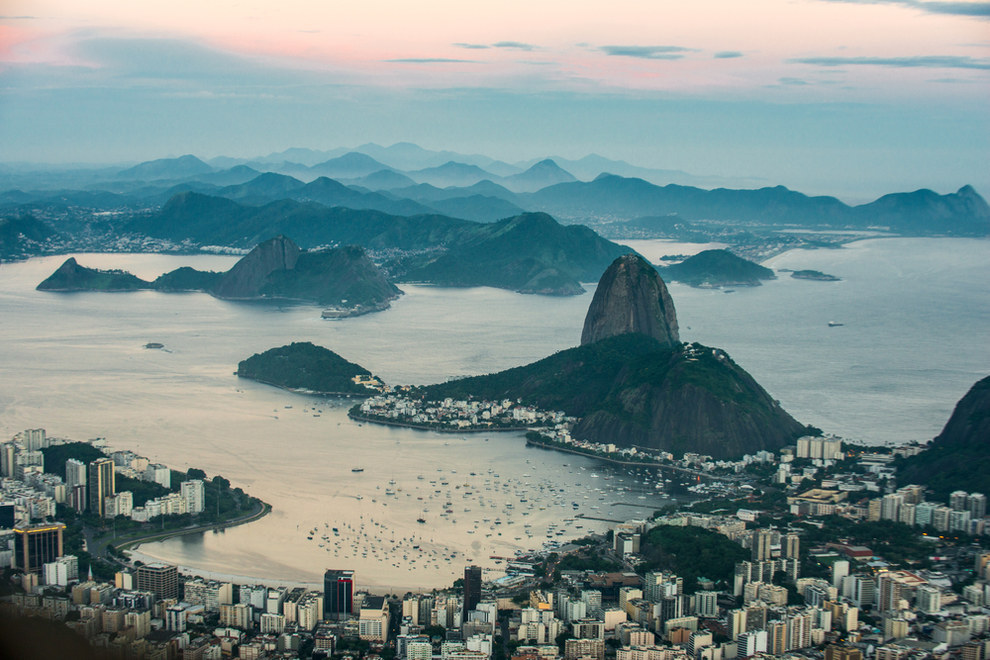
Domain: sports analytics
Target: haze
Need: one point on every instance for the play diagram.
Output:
(852, 98)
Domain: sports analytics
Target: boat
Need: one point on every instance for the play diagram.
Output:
(421, 520)
(357, 469)
(834, 324)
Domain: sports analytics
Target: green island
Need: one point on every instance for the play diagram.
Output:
(717, 268)
(814, 275)
(304, 366)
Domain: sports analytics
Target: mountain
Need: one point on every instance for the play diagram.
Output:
(70, 276)
(277, 269)
(450, 174)
(262, 188)
(631, 298)
(382, 180)
(167, 168)
(529, 253)
(632, 391)
(479, 208)
(963, 213)
(349, 166)
(248, 276)
(717, 268)
(274, 270)
(635, 390)
(304, 366)
(540, 175)
(22, 236)
(959, 458)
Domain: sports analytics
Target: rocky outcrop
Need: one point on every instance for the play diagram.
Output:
(70, 276)
(959, 458)
(248, 275)
(631, 297)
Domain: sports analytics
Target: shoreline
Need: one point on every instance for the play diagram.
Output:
(435, 429)
(134, 544)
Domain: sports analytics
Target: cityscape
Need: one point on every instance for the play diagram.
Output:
(495, 330)
(794, 574)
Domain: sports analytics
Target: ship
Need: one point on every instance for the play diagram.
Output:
(357, 469)
(834, 324)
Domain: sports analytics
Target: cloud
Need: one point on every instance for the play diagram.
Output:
(647, 52)
(921, 61)
(19, 18)
(792, 81)
(727, 54)
(430, 60)
(472, 46)
(518, 45)
(960, 8)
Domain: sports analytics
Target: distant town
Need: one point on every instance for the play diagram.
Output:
(811, 552)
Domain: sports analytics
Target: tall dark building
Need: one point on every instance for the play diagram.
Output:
(338, 594)
(101, 484)
(160, 579)
(472, 588)
(36, 545)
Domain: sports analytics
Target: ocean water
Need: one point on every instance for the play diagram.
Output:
(915, 314)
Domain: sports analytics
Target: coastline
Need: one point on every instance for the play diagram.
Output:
(134, 544)
(437, 429)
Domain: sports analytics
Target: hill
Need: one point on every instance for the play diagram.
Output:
(22, 236)
(921, 213)
(959, 458)
(717, 268)
(70, 276)
(278, 269)
(167, 168)
(530, 253)
(631, 390)
(631, 298)
(304, 366)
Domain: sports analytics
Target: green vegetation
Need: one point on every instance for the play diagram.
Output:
(691, 553)
(141, 490)
(717, 268)
(959, 458)
(57, 455)
(587, 559)
(813, 275)
(302, 365)
(70, 276)
(631, 390)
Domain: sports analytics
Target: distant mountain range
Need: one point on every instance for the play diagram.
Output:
(530, 253)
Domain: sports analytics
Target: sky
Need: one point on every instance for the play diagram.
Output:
(848, 97)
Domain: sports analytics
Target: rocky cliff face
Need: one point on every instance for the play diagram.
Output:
(248, 275)
(959, 458)
(631, 297)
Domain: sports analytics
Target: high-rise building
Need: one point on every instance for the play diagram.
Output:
(472, 587)
(977, 505)
(194, 495)
(100, 482)
(958, 500)
(160, 579)
(338, 594)
(761, 545)
(792, 546)
(75, 473)
(37, 545)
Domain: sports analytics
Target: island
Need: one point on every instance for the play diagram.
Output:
(343, 279)
(717, 268)
(814, 275)
(306, 367)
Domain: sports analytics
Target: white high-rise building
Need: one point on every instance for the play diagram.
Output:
(75, 473)
(158, 473)
(193, 493)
